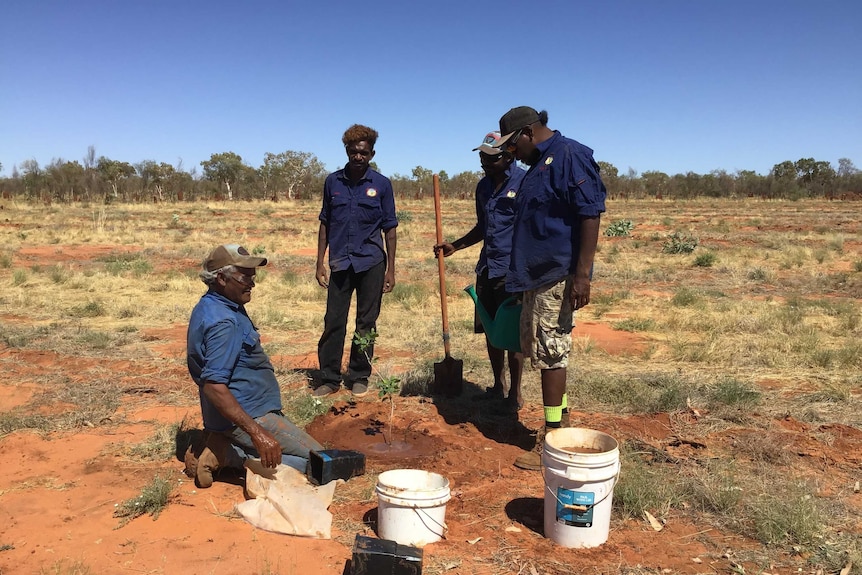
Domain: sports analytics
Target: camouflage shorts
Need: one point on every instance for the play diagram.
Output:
(547, 320)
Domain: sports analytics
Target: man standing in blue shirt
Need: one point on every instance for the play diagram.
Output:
(357, 217)
(556, 231)
(239, 394)
(495, 214)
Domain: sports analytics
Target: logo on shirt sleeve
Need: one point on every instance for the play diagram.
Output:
(511, 194)
(370, 192)
(549, 160)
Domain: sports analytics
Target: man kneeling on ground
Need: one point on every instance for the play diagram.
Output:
(239, 394)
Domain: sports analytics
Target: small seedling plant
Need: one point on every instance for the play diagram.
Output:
(387, 387)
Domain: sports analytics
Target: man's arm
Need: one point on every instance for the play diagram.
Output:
(472, 237)
(391, 238)
(589, 239)
(267, 446)
(322, 241)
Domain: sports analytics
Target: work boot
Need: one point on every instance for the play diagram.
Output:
(211, 459)
(532, 460)
(565, 420)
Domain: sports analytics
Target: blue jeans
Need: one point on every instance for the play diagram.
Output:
(295, 443)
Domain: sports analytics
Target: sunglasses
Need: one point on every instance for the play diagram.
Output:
(513, 141)
(491, 158)
(243, 280)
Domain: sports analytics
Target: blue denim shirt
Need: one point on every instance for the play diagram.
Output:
(563, 186)
(355, 215)
(223, 346)
(495, 213)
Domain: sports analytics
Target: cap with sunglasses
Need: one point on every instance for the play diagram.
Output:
(231, 255)
(486, 145)
(513, 121)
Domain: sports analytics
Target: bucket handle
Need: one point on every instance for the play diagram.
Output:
(443, 526)
(582, 508)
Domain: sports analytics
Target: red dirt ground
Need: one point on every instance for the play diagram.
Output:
(58, 492)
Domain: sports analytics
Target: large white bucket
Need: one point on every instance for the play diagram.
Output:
(411, 506)
(580, 467)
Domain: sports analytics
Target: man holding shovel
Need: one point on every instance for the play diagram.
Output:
(495, 201)
(357, 218)
(556, 229)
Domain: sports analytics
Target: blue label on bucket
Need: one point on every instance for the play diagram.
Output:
(575, 508)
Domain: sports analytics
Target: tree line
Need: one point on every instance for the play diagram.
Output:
(300, 175)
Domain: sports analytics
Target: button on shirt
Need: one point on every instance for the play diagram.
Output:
(495, 213)
(355, 214)
(223, 346)
(563, 186)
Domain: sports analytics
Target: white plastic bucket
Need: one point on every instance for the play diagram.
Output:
(580, 467)
(411, 506)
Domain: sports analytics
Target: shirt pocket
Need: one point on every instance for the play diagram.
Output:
(368, 210)
(339, 209)
(251, 349)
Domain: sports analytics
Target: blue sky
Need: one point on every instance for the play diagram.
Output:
(674, 86)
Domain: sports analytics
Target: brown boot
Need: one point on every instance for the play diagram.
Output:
(532, 460)
(211, 458)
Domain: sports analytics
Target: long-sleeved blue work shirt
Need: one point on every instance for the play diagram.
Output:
(556, 192)
(223, 346)
(495, 215)
(355, 214)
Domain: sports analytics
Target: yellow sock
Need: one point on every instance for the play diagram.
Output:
(553, 415)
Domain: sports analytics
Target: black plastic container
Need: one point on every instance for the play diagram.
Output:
(384, 557)
(329, 464)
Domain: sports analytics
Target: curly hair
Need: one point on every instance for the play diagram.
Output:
(359, 133)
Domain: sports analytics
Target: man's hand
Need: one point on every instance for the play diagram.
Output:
(267, 446)
(580, 292)
(389, 281)
(446, 248)
(322, 276)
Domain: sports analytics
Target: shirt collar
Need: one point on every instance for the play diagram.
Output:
(365, 176)
(231, 304)
(543, 147)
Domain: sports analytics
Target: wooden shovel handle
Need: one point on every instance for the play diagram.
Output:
(441, 268)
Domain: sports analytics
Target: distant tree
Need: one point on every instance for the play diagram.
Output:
(656, 183)
(610, 176)
(225, 168)
(422, 176)
(443, 177)
(846, 167)
(64, 178)
(33, 177)
(814, 176)
(463, 185)
(288, 171)
(113, 172)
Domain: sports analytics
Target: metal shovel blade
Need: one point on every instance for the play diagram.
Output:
(448, 377)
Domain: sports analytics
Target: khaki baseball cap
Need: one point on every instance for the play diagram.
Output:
(231, 255)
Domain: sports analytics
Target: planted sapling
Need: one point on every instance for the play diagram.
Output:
(387, 387)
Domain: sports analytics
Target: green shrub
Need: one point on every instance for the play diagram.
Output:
(153, 498)
(685, 297)
(679, 243)
(705, 260)
(620, 228)
(90, 309)
(403, 216)
(19, 277)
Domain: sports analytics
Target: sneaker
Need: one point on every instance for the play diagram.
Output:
(359, 388)
(325, 389)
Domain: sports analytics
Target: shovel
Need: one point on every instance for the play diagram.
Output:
(448, 374)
